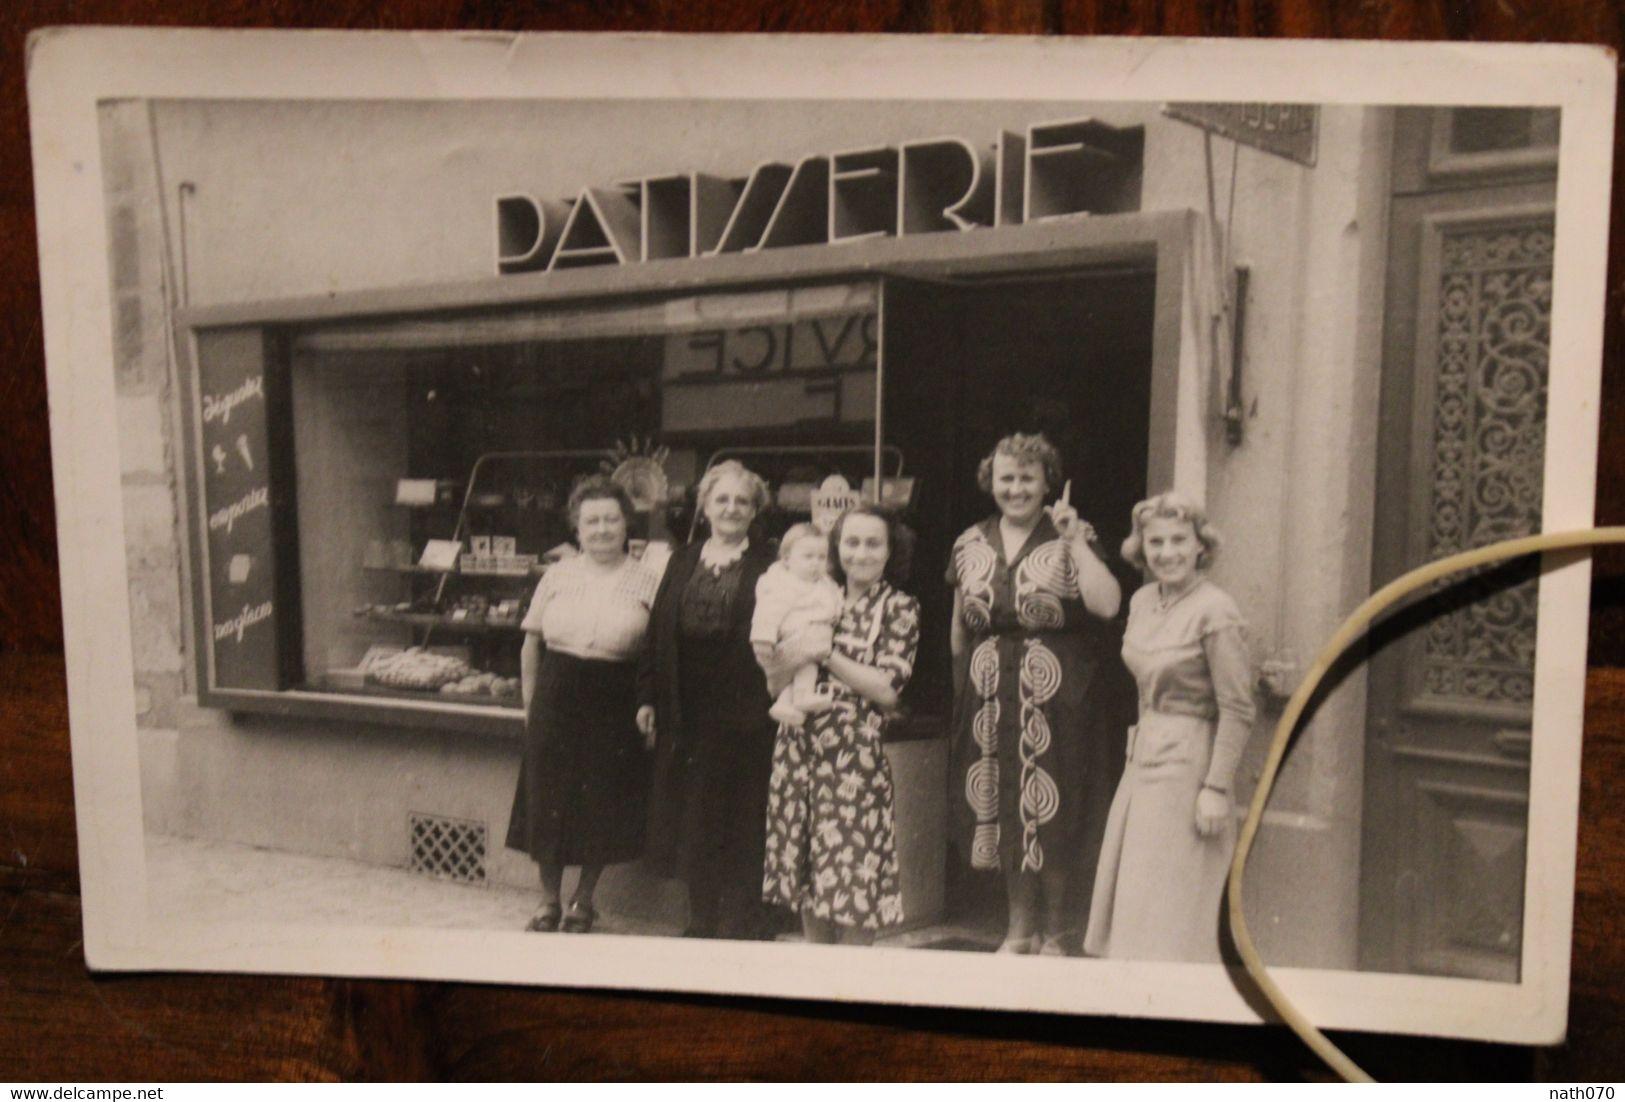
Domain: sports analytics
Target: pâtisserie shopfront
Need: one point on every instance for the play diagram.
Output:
(358, 473)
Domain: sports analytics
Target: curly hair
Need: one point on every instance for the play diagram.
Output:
(1172, 505)
(597, 487)
(899, 543)
(754, 485)
(1023, 448)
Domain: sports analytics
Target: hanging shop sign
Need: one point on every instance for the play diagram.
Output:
(1079, 166)
(833, 497)
(1290, 130)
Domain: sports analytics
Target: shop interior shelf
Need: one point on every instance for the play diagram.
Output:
(439, 621)
(535, 571)
(526, 572)
(443, 698)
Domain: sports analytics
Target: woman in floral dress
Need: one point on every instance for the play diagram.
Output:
(831, 849)
(1032, 597)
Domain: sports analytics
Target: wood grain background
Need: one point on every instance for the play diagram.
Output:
(58, 1024)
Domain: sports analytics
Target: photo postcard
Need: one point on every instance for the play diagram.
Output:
(830, 518)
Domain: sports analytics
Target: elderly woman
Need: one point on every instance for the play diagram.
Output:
(831, 845)
(1031, 598)
(703, 699)
(584, 778)
(1171, 832)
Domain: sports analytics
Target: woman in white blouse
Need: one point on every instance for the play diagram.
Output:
(585, 775)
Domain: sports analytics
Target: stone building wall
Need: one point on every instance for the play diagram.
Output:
(147, 445)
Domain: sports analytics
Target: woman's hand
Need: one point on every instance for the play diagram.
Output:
(811, 644)
(646, 724)
(870, 682)
(1068, 525)
(1100, 591)
(1212, 809)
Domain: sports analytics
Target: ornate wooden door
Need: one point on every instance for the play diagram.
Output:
(1461, 449)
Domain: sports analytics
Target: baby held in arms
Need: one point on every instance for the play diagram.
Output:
(794, 594)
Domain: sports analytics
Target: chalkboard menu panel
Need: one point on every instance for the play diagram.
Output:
(237, 410)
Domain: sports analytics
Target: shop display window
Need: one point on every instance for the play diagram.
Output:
(416, 473)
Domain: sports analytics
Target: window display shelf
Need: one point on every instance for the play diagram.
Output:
(506, 700)
(441, 621)
(535, 571)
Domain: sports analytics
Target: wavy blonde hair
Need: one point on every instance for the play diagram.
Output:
(1023, 447)
(1172, 505)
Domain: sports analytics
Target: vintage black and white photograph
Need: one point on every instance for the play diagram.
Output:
(778, 537)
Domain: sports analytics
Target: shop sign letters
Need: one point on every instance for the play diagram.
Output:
(233, 418)
(811, 345)
(1078, 166)
(220, 405)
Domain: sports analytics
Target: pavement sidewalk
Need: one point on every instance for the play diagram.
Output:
(225, 883)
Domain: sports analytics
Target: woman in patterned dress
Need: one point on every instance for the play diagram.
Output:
(1171, 832)
(584, 778)
(831, 848)
(1031, 599)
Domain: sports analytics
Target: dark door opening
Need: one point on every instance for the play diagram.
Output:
(966, 363)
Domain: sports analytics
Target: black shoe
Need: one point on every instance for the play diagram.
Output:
(580, 918)
(546, 919)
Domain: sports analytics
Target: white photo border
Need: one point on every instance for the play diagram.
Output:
(70, 71)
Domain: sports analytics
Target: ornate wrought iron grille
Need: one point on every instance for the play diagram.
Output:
(451, 849)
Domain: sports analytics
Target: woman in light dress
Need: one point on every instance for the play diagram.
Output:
(584, 778)
(1172, 831)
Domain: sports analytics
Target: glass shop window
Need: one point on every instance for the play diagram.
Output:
(1502, 129)
(433, 460)
(1483, 142)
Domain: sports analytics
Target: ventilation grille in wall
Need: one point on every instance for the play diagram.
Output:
(451, 849)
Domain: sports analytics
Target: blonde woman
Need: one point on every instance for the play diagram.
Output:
(1171, 830)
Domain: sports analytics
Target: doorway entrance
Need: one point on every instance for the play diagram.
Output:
(1461, 454)
(969, 361)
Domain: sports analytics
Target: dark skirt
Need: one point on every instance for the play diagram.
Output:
(710, 803)
(585, 776)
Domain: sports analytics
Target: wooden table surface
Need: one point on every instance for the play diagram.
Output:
(58, 1024)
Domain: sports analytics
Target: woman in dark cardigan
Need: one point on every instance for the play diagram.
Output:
(704, 699)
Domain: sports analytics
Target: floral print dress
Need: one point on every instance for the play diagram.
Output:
(831, 846)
